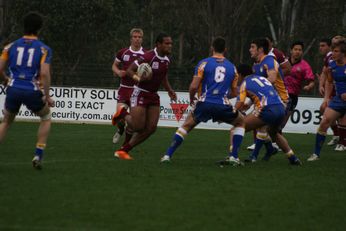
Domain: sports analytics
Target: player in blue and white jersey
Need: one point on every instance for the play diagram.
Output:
(266, 66)
(215, 80)
(28, 62)
(269, 110)
(337, 105)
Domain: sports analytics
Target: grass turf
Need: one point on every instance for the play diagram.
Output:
(82, 187)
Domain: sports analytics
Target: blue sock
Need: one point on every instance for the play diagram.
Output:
(269, 147)
(238, 135)
(39, 152)
(319, 140)
(258, 145)
(176, 142)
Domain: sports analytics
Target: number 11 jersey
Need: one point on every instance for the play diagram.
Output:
(24, 57)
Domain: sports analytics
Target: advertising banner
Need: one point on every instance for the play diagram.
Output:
(87, 105)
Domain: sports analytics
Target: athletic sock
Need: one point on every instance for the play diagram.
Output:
(291, 157)
(319, 140)
(269, 146)
(178, 138)
(238, 135)
(39, 150)
(126, 148)
(258, 145)
(261, 137)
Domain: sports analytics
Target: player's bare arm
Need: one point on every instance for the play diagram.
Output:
(322, 80)
(169, 89)
(272, 75)
(46, 79)
(286, 67)
(3, 78)
(196, 81)
(309, 86)
(328, 86)
(117, 71)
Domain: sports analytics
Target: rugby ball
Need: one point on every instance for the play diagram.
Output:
(144, 71)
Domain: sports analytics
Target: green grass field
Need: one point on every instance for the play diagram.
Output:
(82, 187)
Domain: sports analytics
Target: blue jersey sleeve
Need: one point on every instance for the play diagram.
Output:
(199, 69)
(46, 55)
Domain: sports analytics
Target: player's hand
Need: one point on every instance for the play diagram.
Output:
(324, 105)
(50, 102)
(306, 88)
(193, 101)
(172, 95)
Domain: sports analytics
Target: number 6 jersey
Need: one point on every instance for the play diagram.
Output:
(24, 57)
(218, 75)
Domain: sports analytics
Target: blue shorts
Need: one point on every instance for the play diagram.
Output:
(205, 111)
(273, 115)
(337, 104)
(15, 97)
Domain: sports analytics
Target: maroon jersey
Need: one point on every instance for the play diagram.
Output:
(327, 59)
(125, 57)
(278, 55)
(159, 65)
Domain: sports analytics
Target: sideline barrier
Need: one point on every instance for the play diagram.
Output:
(87, 105)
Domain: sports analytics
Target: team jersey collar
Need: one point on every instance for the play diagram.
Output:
(160, 57)
(30, 37)
(140, 51)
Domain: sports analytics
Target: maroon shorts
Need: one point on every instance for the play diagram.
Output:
(144, 98)
(124, 95)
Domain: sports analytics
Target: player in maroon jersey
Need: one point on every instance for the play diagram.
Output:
(145, 101)
(279, 56)
(122, 61)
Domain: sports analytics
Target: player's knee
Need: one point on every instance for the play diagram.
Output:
(46, 116)
(182, 132)
(239, 131)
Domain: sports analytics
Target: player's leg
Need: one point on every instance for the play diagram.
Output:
(253, 122)
(152, 118)
(329, 116)
(179, 137)
(333, 126)
(119, 124)
(124, 96)
(13, 101)
(226, 114)
(6, 123)
(341, 146)
(283, 144)
(34, 102)
(136, 121)
(237, 135)
(42, 135)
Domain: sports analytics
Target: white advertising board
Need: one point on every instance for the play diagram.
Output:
(87, 105)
